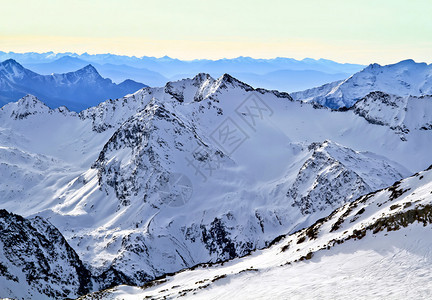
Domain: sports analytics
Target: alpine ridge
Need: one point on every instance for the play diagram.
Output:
(406, 78)
(200, 170)
(76, 90)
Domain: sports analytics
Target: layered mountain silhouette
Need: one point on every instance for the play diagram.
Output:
(76, 90)
(280, 73)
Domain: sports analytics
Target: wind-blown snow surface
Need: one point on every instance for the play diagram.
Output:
(377, 247)
(148, 184)
(406, 78)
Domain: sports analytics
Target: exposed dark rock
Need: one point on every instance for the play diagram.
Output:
(38, 249)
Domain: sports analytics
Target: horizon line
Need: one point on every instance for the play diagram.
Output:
(177, 58)
(67, 53)
(195, 59)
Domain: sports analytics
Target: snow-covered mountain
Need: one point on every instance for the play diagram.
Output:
(333, 175)
(402, 114)
(406, 78)
(76, 90)
(377, 246)
(200, 170)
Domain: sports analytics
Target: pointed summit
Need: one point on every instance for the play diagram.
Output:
(89, 69)
(201, 77)
(227, 80)
(77, 90)
(10, 61)
(30, 102)
(27, 105)
(373, 66)
(11, 67)
(88, 74)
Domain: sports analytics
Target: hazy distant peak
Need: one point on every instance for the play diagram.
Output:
(10, 61)
(89, 68)
(406, 62)
(68, 58)
(77, 90)
(87, 73)
(11, 64)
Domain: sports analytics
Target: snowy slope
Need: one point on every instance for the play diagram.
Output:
(76, 90)
(374, 247)
(406, 78)
(148, 184)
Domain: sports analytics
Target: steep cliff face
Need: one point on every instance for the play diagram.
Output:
(36, 262)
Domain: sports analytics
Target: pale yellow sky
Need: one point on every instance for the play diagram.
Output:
(364, 31)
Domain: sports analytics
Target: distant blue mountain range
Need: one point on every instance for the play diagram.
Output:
(284, 74)
(75, 90)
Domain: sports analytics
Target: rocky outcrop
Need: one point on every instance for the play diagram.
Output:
(37, 262)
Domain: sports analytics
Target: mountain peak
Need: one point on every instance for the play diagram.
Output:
(200, 77)
(373, 66)
(402, 63)
(228, 79)
(27, 105)
(11, 65)
(78, 89)
(90, 68)
(88, 72)
(68, 58)
(130, 81)
(166, 58)
(132, 85)
(30, 101)
(411, 64)
(406, 62)
(10, 61)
